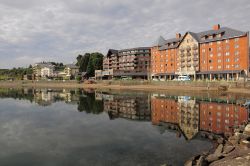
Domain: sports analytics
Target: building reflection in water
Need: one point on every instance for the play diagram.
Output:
(135, 107)
(187, 116)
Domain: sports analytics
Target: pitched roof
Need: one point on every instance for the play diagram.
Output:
(171, 43)
(44, 64)
(159, 42)
(225, 31)
(73, 66)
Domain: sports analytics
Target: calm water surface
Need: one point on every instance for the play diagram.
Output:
(45, 127)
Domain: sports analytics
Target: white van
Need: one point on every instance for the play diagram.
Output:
(183, 78)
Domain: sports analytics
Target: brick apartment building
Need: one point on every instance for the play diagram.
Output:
(220, 53)
(134, 63)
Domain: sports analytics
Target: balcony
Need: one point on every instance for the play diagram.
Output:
(194, 47)
(196, 64)
(182, 54)
(195, 52)
(188, 48)
(188, 59)
(188, 54)
(195, 59)
(182, 50)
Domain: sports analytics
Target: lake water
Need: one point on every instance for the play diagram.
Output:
(45, 127)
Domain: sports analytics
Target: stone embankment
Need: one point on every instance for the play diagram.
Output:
(233, 151)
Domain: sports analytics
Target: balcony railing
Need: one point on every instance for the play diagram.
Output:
(188, 48)
(195, 47)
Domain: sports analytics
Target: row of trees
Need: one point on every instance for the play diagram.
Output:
(16, 73)
(89, 62)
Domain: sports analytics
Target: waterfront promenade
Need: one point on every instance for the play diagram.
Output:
(197, 86)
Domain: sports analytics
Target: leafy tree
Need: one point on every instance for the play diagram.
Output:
(82, 62)
(95, 63)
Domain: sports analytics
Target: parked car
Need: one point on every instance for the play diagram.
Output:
(155, 79)
(183, 78)
(126, 78)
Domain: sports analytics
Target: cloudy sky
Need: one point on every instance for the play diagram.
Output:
(59, 30)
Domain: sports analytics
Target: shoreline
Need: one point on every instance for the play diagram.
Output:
(138, 87)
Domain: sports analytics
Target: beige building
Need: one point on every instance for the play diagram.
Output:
(71, 70)
(188, 116)
(43, 70)
(188, 59)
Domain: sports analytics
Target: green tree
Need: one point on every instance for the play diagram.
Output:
(95, 63)
(82, 62)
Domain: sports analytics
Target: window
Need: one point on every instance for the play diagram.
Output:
(227, 53)
(211, 67)
(227, 41)
(219, 67)
(211, 55)
(210, 49)
(219, 54)
(236, 46)
(236, 39)
(210, 43)
(203, 50)
(227, 60)
(219, 48)
(210, 61)
(236, 53)
(237, 66)
(227, 66)
(218, 42)
(236, 59)
(211, 37)
(219, 60)
(227, 47)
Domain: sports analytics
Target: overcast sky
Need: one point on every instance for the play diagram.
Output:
(58, 30)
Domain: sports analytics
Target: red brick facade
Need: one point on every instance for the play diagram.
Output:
(223, 53)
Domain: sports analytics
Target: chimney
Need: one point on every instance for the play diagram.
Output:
(178, 35)
(216, 27)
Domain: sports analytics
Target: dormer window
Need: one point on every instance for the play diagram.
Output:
(211, 37)
(218, 35)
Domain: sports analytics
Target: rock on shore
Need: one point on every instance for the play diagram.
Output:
(233, 151)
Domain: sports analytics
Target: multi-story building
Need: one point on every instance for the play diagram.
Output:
(134, 63)
(220, 53)
(71, 70)
(164, 55)
(43, 69)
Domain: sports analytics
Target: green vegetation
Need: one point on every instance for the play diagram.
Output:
(58, 66)
(15, 73)
(90, 62)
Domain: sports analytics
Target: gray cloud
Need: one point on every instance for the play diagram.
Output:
(58, 30)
